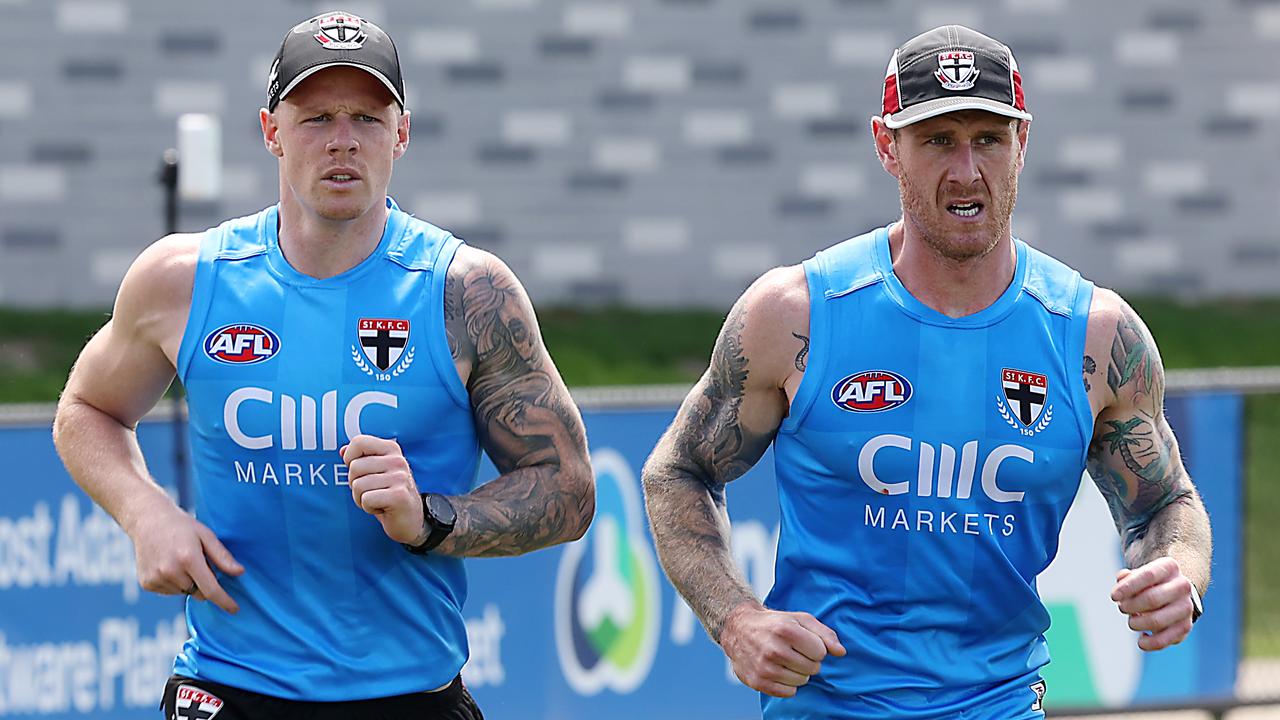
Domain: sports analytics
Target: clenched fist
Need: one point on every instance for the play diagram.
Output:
(383, 486)
(1157, 599)
(776, 652)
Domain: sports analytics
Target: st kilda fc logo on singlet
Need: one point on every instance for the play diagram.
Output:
(384, 351)
(1022, 401)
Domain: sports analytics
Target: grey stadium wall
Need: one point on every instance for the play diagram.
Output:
(656, 152)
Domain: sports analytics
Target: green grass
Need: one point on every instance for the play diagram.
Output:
(629, 347)
(618, 347)
(1262, 510)
(1224, 333)
(37, 349)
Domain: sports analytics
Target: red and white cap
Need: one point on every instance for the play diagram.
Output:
(947, 69)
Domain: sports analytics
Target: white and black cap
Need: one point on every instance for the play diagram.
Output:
(329, 40)
(948, 69)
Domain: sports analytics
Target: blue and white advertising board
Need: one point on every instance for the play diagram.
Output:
(591, 629)
(78, 637)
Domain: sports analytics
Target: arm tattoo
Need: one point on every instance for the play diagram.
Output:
(725, 450)
(1090, 367)
(526, 424)
(454, 328)
(802, 357)
(1132, 352)
(728, 385)
(1133, 457)
(706, 447)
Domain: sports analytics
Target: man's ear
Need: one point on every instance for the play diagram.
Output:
(402, 135)
(270, 132)
(886, 146)
(1024, 133)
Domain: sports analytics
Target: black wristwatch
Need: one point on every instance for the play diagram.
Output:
(438, 517)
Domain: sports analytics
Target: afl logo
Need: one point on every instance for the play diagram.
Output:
(241, 344)
(871, 391)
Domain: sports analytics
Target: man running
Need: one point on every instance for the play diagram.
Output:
(344, 364)
(922, 386)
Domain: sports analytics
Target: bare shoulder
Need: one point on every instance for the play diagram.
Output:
(781, 294)
(169, 262)
(1122, 364)
(127, 365)
(477, 278)
(155, 294)
(774, 318)
(468, 259)
(1106, 309)
(481, 291)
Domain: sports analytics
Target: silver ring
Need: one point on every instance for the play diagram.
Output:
(191, 590)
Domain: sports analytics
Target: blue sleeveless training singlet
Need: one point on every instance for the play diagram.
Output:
(923, 476)
(281, 369)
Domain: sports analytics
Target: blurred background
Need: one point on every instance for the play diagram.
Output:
(658, 152)
(639, 162)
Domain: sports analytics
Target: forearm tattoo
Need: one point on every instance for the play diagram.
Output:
(526, 423)
(705, 448)
(1134, 458)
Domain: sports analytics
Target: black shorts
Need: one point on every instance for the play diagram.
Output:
(190, 699)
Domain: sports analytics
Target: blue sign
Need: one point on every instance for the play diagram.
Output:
(78, 637)
(580, 632)
(587, 630)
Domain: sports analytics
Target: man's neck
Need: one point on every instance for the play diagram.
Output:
(322, 248)
(955, 288)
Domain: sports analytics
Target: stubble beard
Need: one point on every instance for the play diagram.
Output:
(339, 214)
(918, 208)
(340, 207)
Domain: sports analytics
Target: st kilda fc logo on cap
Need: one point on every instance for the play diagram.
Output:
(384, 344)
(1022, 401)
(956, 70)
(340, 32)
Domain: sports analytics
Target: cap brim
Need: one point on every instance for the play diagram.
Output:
(313, 70)
(942, 106)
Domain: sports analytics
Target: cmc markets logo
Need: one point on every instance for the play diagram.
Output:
(241, 344)
(607, 609)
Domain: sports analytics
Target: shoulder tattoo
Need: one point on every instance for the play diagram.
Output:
(802, 357)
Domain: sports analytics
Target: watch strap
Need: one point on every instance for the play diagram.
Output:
(437, 531)
(1197, 604)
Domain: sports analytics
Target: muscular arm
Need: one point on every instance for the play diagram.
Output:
(119, 376)
(526, 420)
(1134, 461)
(121, 373)
(1134, 457)
(721, 430)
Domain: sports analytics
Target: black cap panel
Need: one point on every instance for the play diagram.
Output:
(332, 39)
(983, 77)
(947, 69)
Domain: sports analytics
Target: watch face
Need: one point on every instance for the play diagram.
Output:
(441, 510)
